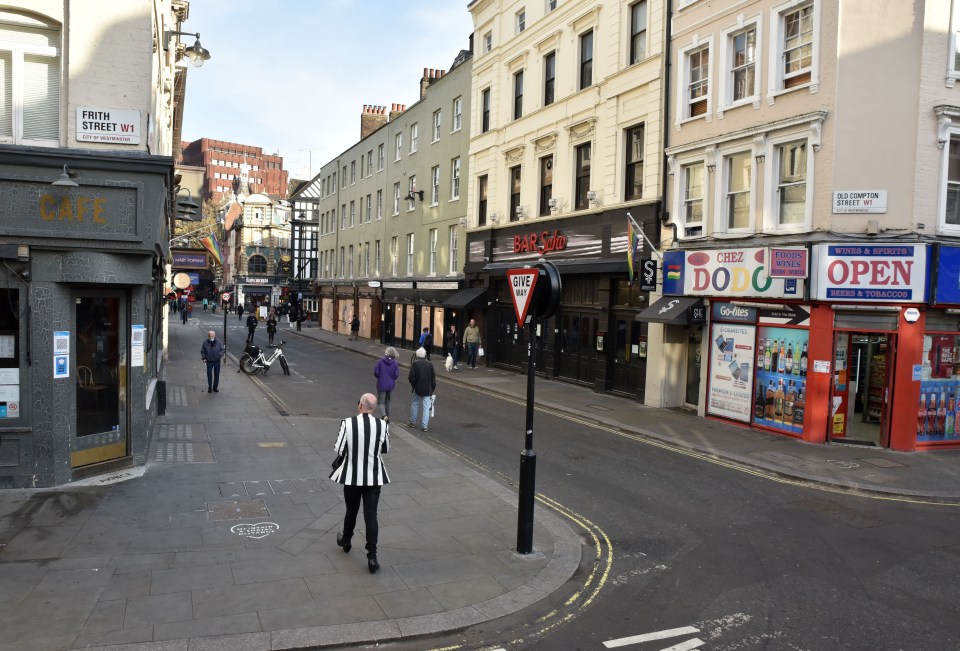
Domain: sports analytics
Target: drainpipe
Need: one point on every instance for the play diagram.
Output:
(665, 76)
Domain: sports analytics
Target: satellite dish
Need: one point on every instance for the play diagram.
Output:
(181, 281)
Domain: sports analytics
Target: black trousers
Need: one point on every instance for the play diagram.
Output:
(252, 329)
(370, 496)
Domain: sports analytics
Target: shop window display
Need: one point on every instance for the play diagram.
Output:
(939, 412)
(781, 379)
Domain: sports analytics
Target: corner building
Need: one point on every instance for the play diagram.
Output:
(812, 193)
(86, 195)
(565, 140)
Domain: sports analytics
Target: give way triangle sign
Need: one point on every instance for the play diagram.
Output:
(522, 283)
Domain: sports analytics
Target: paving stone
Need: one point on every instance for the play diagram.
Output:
(289, 568)
(229, 624)
(60, 580)
(131, 584)
(245, 598)
(446, 570)
(338, 611)
(106, 616)
(241, 642)
(466, 593)
(408, 603)
(193, 577)
(158, 609)
(72, 608)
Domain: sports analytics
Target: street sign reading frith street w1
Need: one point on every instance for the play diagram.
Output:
(522, 283)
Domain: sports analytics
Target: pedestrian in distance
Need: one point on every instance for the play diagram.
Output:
(251, 327)
(271, 327)
(386, 371)
(355, 327)
(184, 313)
(471, 341)
(451, 343)
(211, 352)
(362, 441)
(426, 340)
(423, 381)
(204, 305)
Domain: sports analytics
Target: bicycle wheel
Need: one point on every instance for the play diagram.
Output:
(247, 365)
(283, 364)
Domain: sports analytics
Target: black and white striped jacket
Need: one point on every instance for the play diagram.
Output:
(360, 441)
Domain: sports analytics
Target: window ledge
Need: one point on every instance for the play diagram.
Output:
(772, 96)
(753, 100)
(952, 77)
(688, 120)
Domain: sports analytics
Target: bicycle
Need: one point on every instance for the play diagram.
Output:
(253, 360)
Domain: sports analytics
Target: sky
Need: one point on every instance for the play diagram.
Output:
(292, 76)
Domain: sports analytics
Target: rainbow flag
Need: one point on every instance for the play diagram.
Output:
(633, 245)
(210, 244)
(673, 272)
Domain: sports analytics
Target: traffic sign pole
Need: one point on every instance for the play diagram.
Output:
(528, 458)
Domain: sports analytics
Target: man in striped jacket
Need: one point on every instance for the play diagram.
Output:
(363, 439)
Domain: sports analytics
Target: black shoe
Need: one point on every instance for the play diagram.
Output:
(372, 563)
(209, 389)
(346, 546)
(216, 390)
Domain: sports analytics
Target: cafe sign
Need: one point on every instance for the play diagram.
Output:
(871, 272)
(731, 273)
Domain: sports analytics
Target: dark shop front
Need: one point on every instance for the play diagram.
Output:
(594, 338)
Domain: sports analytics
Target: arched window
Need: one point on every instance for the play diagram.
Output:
(257, 264)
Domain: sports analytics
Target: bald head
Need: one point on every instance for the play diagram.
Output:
(367, 404)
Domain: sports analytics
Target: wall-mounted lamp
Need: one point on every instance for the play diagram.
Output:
(463, 221)
(494, 219)
(593, 197)
(66, 179)
(414, 194)
(196, 53)
(553, 204)
(520, 212)
(873, 227)
(187, 209)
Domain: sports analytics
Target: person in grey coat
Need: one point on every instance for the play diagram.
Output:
(362, 440)
(423, 381)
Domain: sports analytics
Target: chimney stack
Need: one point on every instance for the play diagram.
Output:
(396, 110)
(430, 75)
(372, 118)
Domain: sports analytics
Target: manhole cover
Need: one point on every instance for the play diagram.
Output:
(221, 511)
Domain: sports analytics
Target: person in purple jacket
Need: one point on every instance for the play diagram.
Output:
(386, 371)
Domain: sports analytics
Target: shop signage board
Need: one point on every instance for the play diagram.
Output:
(859, 201)
(731, 370)
(730, 273)
(787, 263)
(870, 272)
(257, 281)
(947, 290)
(648, 275)
(189, 260)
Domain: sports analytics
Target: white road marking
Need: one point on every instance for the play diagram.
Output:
(686, 646)
(647, 637)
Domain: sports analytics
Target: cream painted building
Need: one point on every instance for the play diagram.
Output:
(812, 197)
(565, 140)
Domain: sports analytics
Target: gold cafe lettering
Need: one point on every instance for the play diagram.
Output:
(539, 242)
(73, 209)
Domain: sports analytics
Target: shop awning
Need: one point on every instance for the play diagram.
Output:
(467, 298)
(674, 310)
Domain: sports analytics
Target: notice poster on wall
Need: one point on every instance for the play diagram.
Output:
(731, 370)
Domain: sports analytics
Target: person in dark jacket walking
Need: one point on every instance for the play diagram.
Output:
(251, 327)
(423, 381)
(212, 352)
(355, 328)
(271, 326)
(240, 313)
(426, 341)
(386, 371)
(451, 343)
(362, 440)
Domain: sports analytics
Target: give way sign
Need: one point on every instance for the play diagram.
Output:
(522, 282)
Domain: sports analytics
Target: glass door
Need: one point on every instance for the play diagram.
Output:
(101, 363)
(862, 387)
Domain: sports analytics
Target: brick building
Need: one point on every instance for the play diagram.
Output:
(222, 161)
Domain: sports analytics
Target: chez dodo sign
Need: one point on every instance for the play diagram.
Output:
(728, 273)
(871, 272)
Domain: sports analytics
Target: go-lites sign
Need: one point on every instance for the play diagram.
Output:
(871, 272)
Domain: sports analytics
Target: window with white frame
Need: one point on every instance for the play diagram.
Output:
(743, 64)
(455, 179)
(454, 236)
(343, 217)
(394, 254)
(518, 95)
(953, 64)
(396, 198)
(343, 260)
(380, 157)
(369, 207)
(738, 183)
(353, 172)
(436, 125)
(343, 178)
(796, 46)
(792, 183)
(692, 216)
(409, 254)
(551, 5)
(435, 185)
(353, 213)
(485, 110)
(411, 188)
(366, 259)
(350, 254)
(457, 113)
(585, 73)
(638, 31)
(414, 137)
(951, 215)
(379, 204)
(399, 143)
(698, 81)
(370, 163)
(30, 62)
(376, 258)
(521, 21)
(433, 251)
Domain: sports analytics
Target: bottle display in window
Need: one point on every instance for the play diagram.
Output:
(781, 378)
